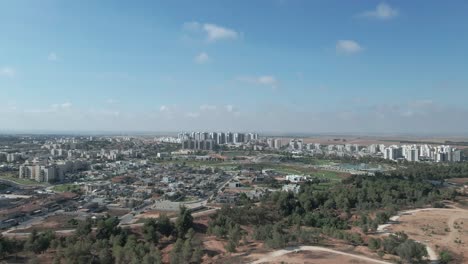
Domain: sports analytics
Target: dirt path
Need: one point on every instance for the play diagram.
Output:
(271, 256)
(455, 214)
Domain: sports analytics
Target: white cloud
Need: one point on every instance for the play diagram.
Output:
(267, 80)
(202, 58)
(53, 57)
(383, 12)
(216, 32)
(7, 72)
(417, 116)
(208, 107)
(212, 32)
(163, 108)
(62, 106)
(348, 47)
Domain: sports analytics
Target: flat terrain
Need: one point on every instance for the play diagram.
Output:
(335, 252)
(438, 228)
(11, 177)
(317, 257)
(54, 223)
(387, 140)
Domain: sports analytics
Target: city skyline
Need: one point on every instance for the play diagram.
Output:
(377, 67)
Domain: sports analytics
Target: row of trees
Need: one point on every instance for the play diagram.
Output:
(439, 171)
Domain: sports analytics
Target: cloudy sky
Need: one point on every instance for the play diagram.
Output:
(266, 66)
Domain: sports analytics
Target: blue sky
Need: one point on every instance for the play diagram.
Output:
(266, 65)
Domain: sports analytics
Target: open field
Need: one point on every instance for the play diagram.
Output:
(140, 218)
(318, 257)
(439, 229)
(299, 169)
(8, 176)
(54, 223)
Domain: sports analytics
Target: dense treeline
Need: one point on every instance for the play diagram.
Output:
(440, 171)
(103, 241)
(283, 218)
(334, 207)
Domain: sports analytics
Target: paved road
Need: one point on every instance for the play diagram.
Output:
(273, 255)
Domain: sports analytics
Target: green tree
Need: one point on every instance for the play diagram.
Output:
(176, 256)
(187, 250)
(374, 243)
(83, 228)
(184, 221)
(230, 246)
(105, 256)
(445, 257)
(165, 226)
(411, 251)
(150, 230)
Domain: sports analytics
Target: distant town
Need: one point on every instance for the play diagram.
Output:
(53, 180)
(65, 158)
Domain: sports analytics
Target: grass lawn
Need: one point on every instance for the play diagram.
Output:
(298, 169)
(237, 153)
(11, 177)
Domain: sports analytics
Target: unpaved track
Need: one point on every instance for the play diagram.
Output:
(271, 256)
(455, 214)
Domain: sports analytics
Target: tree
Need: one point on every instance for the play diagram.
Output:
(230, 246)
(235, 234)
(38, 243)
(184, 221)
(374, 243)
(187, 250)
(165, 226)
(150, 230)
(197, 255)
(153, 257)
(175, 256)
(105, 256)
(83, 228)
(107, 227)
(445, 257)
(411, 251)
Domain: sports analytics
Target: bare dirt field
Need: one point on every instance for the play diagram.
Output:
(56, 222)
(155, 214)
(458, 180)
(317, 258)
(438, 228)
(117, 212)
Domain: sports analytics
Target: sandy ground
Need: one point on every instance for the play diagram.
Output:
(437, 228)
(155, 214)
(55, 222)
(317, 255)
(458, 180)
